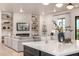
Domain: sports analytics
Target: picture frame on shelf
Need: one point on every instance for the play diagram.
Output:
(22, 27)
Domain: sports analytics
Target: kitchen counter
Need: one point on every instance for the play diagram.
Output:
(54, 47)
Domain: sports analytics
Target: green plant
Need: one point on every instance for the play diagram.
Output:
(59, 29)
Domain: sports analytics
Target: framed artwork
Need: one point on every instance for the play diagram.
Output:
(22, 27)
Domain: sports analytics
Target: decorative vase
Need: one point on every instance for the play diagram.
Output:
(61, 37)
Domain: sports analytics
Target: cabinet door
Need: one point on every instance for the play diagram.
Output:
(10, 42)
(28, 51)
(5, 41)
(15, 44)
(45, 54)
(75, 54)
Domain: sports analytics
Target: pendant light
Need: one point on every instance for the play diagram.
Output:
(70, 6)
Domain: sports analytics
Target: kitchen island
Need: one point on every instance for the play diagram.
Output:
(50, 48)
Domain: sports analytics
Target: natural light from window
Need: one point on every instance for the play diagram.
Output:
(61, 23)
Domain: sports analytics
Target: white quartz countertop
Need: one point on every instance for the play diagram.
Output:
(54, 47)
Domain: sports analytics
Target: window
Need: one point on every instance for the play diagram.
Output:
(77, 27)
(61, 23)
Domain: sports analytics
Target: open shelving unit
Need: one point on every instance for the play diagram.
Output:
(35, 26)
(7, 23)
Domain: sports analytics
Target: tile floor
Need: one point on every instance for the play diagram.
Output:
(5, 51)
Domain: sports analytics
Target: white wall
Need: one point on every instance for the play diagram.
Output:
(19, 18)
(47, 20)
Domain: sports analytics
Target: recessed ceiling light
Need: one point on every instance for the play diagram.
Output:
(45, 3)
(54, 10)
(21, 10)
(76, 6)
(59, 4)
(43, 13)
(69, 6)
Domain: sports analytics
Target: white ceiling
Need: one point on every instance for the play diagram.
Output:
(32, 7)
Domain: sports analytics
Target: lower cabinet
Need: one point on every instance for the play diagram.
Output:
(75, 54)
(28, 51)
(45, 54)
(15, 43)
(8, 41)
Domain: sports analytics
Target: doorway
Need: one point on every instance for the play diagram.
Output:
(77, 27)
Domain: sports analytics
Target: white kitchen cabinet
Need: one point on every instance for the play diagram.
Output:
(5, 40)
(17, 43)
(8, 41)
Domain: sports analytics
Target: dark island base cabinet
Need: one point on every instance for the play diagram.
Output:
(75, 54)
(45, 54)
(28, 51)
